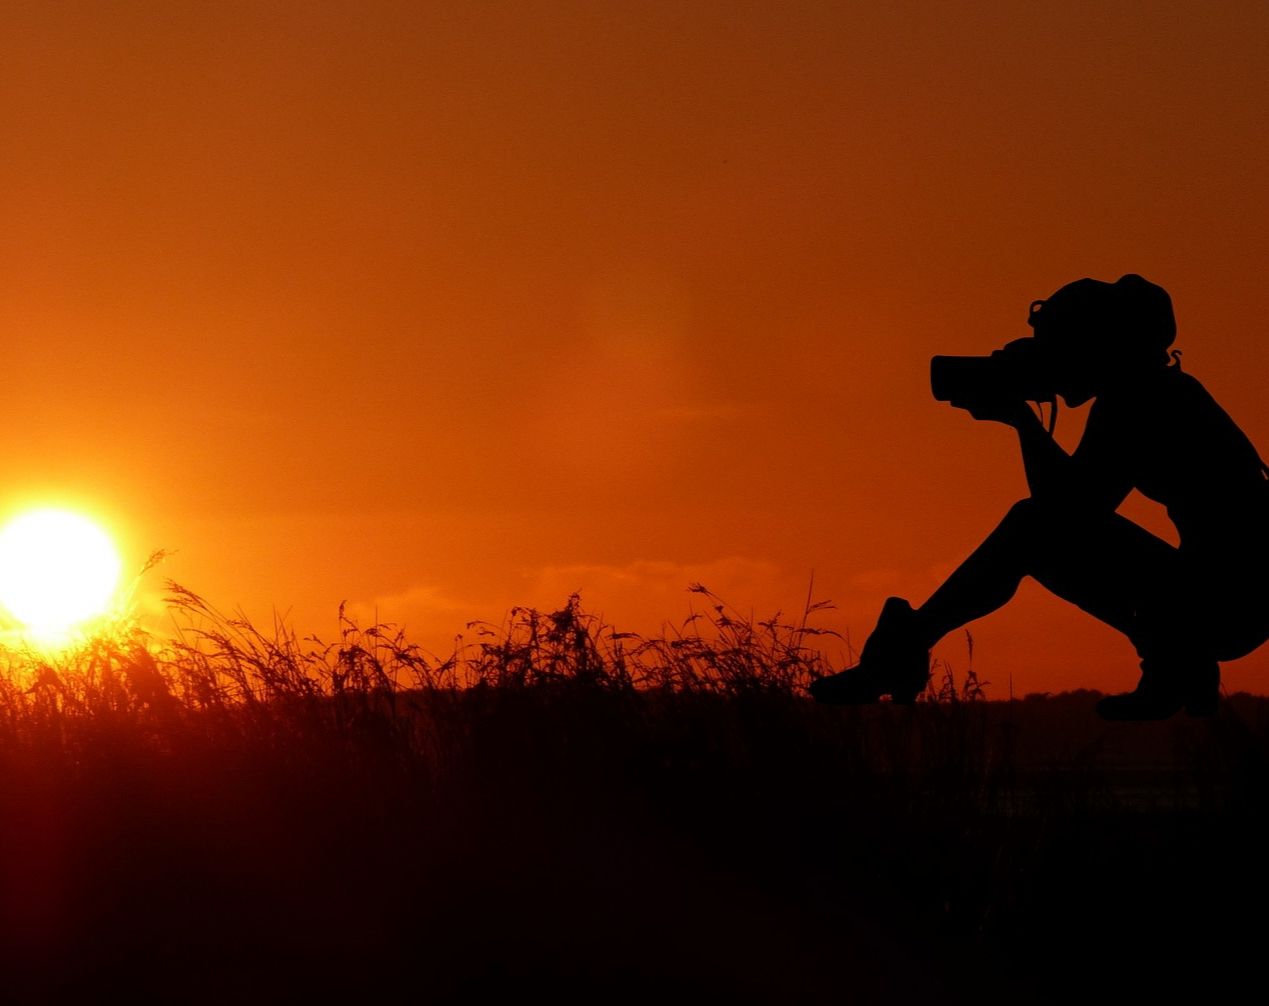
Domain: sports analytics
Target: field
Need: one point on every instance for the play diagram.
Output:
(560, 808)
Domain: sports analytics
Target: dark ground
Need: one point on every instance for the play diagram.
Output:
(592, 846)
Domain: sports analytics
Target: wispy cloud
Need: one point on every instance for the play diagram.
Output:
(703, 412)
(641, 595)
(647, 595)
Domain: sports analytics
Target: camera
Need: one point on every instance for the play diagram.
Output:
(1020, 371)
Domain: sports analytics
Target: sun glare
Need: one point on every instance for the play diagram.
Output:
(57, 570)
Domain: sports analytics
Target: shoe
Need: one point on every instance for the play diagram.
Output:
(1161, 693)
(893, 662)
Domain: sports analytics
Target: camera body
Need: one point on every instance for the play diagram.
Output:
(1021, 371)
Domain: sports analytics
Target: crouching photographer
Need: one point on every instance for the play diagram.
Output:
(1152, 427)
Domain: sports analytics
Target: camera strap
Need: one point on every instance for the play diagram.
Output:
(1053, 411)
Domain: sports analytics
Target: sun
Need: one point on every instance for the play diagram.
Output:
(57, 570)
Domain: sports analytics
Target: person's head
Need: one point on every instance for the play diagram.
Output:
(1098, 334)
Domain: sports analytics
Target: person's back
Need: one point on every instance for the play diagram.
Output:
(1179, 448)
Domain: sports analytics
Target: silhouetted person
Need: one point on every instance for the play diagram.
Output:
(1152, 427)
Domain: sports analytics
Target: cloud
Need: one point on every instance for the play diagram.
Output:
(430, 615)
(650, 596)
(651, 592)
(703, 412)
(641, 595)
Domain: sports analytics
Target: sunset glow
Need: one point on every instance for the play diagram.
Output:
(443, 309)
(57, 570)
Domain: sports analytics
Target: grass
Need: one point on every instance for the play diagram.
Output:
(557, 806)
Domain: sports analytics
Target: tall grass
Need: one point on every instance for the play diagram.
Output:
(219, 679)
(215, 662)
(556, 804)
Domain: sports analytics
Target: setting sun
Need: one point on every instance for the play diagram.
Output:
(57, 569)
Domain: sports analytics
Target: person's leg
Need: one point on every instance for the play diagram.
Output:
(1116, 571)
(1104, 564)
(1235, 603)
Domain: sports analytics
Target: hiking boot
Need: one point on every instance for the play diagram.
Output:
(893, 662)
(1161, 692)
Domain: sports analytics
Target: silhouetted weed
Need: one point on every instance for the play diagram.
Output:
(559, 806)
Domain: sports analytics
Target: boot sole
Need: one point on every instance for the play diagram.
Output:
(906, 697)
(1203, 707)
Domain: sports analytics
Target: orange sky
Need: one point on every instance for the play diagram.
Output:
(441, 310)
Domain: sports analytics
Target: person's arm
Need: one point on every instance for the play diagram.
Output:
(1093, 477)
(1047, 465)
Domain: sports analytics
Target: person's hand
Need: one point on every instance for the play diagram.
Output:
(1010, 411)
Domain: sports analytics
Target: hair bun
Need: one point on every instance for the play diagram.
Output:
(1146, 309)
(1131, 318)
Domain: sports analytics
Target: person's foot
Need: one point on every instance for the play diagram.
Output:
(893, 662)
(1162, 693)
(854, 686)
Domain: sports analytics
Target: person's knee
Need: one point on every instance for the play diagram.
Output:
(1024, 509)
(1031, 513)
(1046, 537)
(1054, 519)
